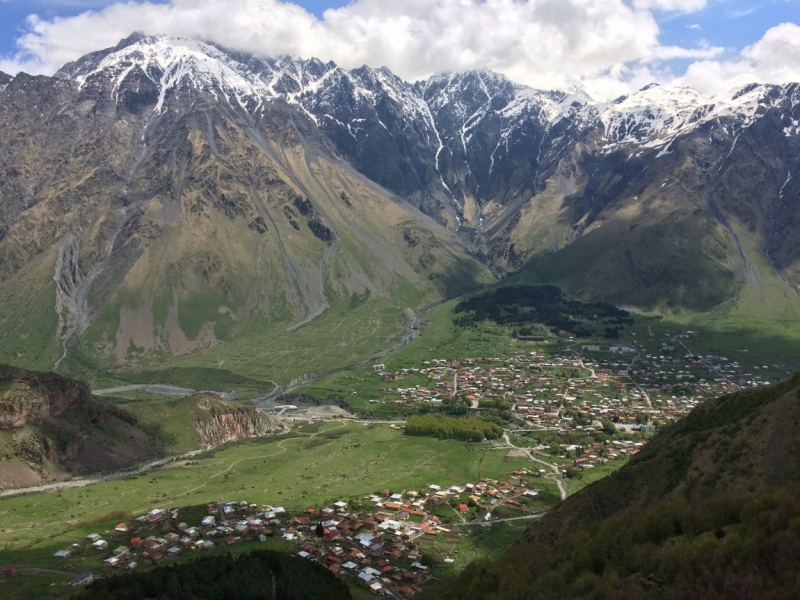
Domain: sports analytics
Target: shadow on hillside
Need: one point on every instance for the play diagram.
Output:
(463, 277)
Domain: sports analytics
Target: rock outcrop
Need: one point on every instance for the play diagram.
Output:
(228, 422)
(30, 398)
(52, 424)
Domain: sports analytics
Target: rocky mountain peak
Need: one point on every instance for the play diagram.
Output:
(188, 136)
(171, 63)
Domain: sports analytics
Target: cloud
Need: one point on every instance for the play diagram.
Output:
(742, 12)
(775, 58)
(537, 40)
(673, 52)
(610, 45)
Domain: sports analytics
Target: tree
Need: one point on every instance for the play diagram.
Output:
(319, 531)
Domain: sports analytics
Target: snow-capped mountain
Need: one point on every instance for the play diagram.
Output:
(454, 137)
(656, 115)
(161, 144)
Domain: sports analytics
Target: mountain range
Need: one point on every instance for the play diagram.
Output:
(159, 197)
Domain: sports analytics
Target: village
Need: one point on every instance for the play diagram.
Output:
(572, 412)
(388, 542)
(578, 388)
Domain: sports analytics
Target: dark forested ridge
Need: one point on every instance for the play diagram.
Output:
(734, 546)
(524, 305)
(710, 509)
(251, 576)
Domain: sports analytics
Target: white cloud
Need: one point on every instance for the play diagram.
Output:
(673, 52)
(742, 12)
(538, 41)
(610, 45)
(775, 58)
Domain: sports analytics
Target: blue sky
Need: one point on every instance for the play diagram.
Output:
(609, 46)
(733, 24)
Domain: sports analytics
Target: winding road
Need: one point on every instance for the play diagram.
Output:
(162, 390)
(640, 388)
(562, 490)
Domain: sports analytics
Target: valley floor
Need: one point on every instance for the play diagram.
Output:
(559, 396)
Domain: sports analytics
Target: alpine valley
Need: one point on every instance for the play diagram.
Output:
(170, 202)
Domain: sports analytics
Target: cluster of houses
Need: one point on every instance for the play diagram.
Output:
(538, 389)
(379, 542)
(628, 385)
(720, 374)
(474, 379)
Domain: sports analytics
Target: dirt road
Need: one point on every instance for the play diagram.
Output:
(554, 468)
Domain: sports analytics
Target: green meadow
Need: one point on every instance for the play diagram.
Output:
(309, 467)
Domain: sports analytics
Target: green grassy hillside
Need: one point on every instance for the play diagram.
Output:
(189, 423)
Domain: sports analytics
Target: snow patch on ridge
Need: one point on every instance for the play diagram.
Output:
(459, 103)
(169, 61)
(655, 115)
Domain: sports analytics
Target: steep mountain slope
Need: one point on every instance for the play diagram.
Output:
(176, 197)
(166, 197)
(708, 509)
(681, 201)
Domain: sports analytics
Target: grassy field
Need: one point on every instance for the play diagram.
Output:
(264, 354)
(472, 544)
(589, 476)
(439, 338)
(338, 461)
